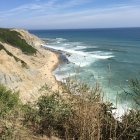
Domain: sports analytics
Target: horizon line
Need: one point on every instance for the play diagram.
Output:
(81, 28)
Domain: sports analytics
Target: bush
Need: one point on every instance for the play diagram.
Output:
(8, 100)
(134, 87)
(11, 116)
(49, 115)
(131, 125)
(54, 113)
(14, 38)
(74, 116)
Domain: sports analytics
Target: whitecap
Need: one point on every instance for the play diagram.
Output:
(81, 58)
(80, 47)
(103, 56)
(66, 44)
(60, 39)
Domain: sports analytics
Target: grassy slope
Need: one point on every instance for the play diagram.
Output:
(13, 38)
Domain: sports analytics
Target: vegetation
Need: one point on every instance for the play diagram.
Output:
(8, 100)
(11, 127)
(135, 90)
(14, 38)
(79, 114)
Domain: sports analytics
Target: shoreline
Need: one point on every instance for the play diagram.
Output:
(60, 59)
(59, 54)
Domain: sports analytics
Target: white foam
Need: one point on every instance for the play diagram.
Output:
(80, 47)
(80, 58)
(66, 44)
(103, 56)
(76, 52)
(84, 58)
(60, 39)
(66, 50)
(58, 42)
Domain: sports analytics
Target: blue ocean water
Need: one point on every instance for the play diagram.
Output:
(109, 56)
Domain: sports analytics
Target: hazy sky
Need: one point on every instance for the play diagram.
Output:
(52, 14)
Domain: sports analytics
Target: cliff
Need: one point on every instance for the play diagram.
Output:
(24, 65)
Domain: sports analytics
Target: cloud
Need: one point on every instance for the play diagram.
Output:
(50, 6)
(27, 8)
(117, 16)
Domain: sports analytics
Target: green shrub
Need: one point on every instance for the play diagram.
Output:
(131, 125)
(11, 116)
(8, 100)
(134, 87)
(14, 38)
(50, 115)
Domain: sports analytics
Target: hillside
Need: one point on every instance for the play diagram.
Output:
(24, 64)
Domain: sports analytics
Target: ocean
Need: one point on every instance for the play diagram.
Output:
(110, 57)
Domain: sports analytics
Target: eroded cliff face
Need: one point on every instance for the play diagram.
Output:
(27, 73)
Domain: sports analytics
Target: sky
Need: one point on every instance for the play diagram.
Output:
(69, 14)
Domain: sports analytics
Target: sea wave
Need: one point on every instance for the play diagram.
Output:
(80, 47)
(118, 50)
(81, 58)
(60, 39)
